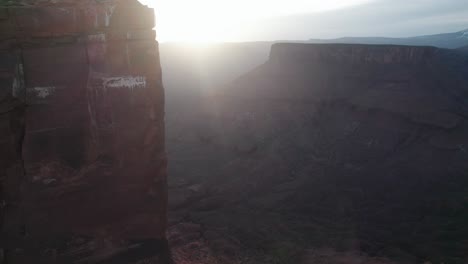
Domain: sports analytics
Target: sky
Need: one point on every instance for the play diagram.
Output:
(267, 20)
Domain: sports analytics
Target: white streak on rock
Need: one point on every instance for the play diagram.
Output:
(16, 87)
(129, 82)
(44, 92)
(97, 38)
(18, 82)
(109, 12)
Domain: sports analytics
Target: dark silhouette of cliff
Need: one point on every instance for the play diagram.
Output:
(191, 72)
(354, 147)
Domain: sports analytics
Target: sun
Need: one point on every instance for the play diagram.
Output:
(227, 20)
(195, 21)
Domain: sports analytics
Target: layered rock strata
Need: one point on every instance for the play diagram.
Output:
(83, 167)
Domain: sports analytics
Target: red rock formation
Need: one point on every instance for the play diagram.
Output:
(82, 79)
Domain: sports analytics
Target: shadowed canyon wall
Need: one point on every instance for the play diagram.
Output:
(355, 147)
(82, 160)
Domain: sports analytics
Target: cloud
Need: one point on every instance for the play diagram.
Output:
(393, 18)
(305, 19)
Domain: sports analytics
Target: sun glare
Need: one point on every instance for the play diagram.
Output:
(221, 20)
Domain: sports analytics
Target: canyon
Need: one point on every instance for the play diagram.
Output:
(317, 153)
(357, 148)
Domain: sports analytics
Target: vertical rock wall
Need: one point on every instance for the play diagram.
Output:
(81, 80)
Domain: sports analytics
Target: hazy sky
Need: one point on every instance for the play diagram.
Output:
(256, 20)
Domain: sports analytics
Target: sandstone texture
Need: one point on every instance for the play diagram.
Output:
(82, 159)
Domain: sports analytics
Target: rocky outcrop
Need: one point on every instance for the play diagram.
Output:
(353, 147)
(83, 168)
(354, 54)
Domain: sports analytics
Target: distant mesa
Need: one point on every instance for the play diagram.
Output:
(444, 40)
(351, 53)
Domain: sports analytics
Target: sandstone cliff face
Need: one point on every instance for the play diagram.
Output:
(349, 146)
(83, 168)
